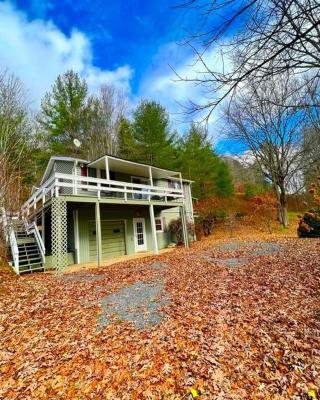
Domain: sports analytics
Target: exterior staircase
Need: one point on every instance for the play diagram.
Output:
(25, 243)
(30, 257)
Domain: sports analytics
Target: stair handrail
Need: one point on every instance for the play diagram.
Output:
(33, 228)
(4, 220)
(10, 238)
(14, 248)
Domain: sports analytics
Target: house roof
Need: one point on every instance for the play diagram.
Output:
(160, 172)
(58, 158)
(131, 161)
(133, 167)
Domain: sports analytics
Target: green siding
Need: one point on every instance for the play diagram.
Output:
(83, 236)
(109, 213)
(48, 263)
(70, 231)
(113, 239)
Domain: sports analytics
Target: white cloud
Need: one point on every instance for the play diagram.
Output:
(246, 157)
(161, 83)
(37, 51)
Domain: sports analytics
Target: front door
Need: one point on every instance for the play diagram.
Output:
(139, 234)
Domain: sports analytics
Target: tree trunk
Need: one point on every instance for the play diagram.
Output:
(283, 207)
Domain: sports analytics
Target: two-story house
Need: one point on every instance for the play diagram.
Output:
(90, 211)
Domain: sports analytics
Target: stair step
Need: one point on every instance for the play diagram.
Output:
(25, 257)
(28, 246)
(25, 240)
(38, 262)
(29, 251)
(31, 267)
(29, 260)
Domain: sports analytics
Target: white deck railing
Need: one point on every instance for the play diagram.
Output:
(66, 184)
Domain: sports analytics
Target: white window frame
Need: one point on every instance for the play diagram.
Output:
(161, 221)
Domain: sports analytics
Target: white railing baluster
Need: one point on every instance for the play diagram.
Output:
(88, 186)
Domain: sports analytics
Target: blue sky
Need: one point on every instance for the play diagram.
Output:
(126, 43)
(121, 32)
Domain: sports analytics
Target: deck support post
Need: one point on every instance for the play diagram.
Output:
(76, 236)
(184, 226)
(150, 176)
(106, 160)
(98, 234)
(153, 229)
(59, 234)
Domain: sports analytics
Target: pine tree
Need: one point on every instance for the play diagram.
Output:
(223, 181)
(198, 162)
(153, 140)
(63, 112)
(127, 147)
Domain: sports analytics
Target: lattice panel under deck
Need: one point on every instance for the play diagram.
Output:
(59, 238)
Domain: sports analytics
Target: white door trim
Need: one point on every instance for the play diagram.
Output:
(138, 247)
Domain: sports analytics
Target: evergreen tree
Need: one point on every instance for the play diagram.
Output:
(127, 147)
(199, 163)
(223, 181)
(63, 112)
(153, 141)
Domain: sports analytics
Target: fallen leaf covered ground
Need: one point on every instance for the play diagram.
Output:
(247, 330)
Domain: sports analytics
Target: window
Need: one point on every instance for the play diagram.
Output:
(103, 174)
(139, 181)
(92, 173)
(159, 224)
(173, 184)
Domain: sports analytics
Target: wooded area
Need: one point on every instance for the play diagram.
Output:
(102, 124)
(235, 315)
(268, 93)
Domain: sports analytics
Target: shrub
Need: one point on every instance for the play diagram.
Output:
(250, 190)
(264, 208)
(213, 210)
(175, 228)
(207, 215)
(309, 224)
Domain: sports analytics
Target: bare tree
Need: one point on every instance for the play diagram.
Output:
(256, 39)
(14, 134)
(312, 131)
(105, 112)
(272, 132)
